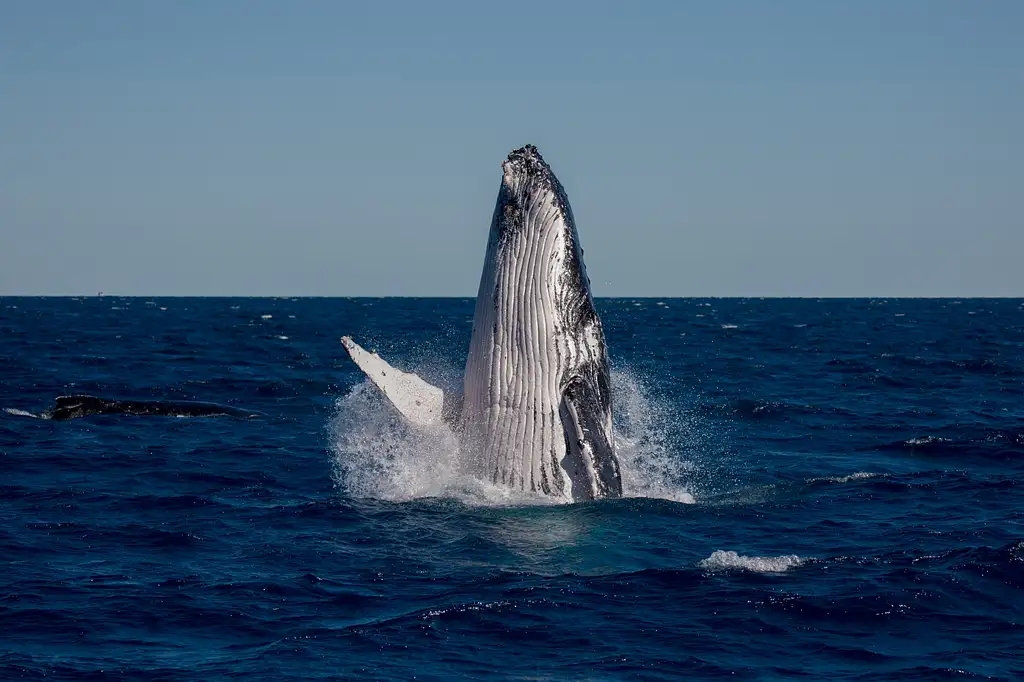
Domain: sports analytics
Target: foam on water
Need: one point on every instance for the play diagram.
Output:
(378, 455)
(926, 440)
(722, 560)
(856, 476)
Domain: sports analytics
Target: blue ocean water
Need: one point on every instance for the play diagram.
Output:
(825, 489)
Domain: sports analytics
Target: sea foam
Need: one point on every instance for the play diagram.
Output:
(722, 560)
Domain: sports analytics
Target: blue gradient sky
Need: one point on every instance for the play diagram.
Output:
(869, 148)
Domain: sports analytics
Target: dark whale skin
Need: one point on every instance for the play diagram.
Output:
(78, 406)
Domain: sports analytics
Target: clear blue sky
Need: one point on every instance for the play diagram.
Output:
(204, 147)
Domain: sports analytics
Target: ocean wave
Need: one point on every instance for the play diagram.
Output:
(969, 444)
(761, 409)
(722, 560)
(948, 366)
(856, 476)
(924, 441)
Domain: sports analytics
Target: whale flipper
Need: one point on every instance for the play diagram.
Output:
(589, 456)
(419, 402)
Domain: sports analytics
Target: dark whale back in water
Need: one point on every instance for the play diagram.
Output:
(76, 406)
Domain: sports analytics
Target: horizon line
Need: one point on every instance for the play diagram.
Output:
(646, 296)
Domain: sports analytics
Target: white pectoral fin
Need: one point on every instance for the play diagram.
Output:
(419, 402)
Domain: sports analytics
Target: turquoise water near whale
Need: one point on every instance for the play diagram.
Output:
(823, 489)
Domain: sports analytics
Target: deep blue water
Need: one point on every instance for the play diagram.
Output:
(820, 489)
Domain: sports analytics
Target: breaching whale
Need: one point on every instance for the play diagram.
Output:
(536, 410)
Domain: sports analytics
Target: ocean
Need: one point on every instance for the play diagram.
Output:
(815, 489)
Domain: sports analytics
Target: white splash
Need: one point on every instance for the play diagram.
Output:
(379, 455)
(731, 561)
(650, 465)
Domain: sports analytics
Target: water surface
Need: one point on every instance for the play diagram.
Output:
(828, 489)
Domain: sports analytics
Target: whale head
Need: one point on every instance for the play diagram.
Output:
(530, 195)
(537, 384)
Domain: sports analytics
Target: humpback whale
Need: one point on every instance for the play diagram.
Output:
(536, 410)
(77, 406)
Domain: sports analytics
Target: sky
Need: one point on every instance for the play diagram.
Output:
(329, 148)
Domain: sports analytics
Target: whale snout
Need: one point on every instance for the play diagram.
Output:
(523, 163)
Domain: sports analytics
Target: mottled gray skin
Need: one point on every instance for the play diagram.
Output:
(537, 387)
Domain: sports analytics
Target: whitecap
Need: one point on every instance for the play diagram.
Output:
(927, 440)
(722, 560)
(266, 317)
(468, 608)
(856, 476)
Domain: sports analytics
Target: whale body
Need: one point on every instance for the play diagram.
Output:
(78, 406)
(536, 410)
